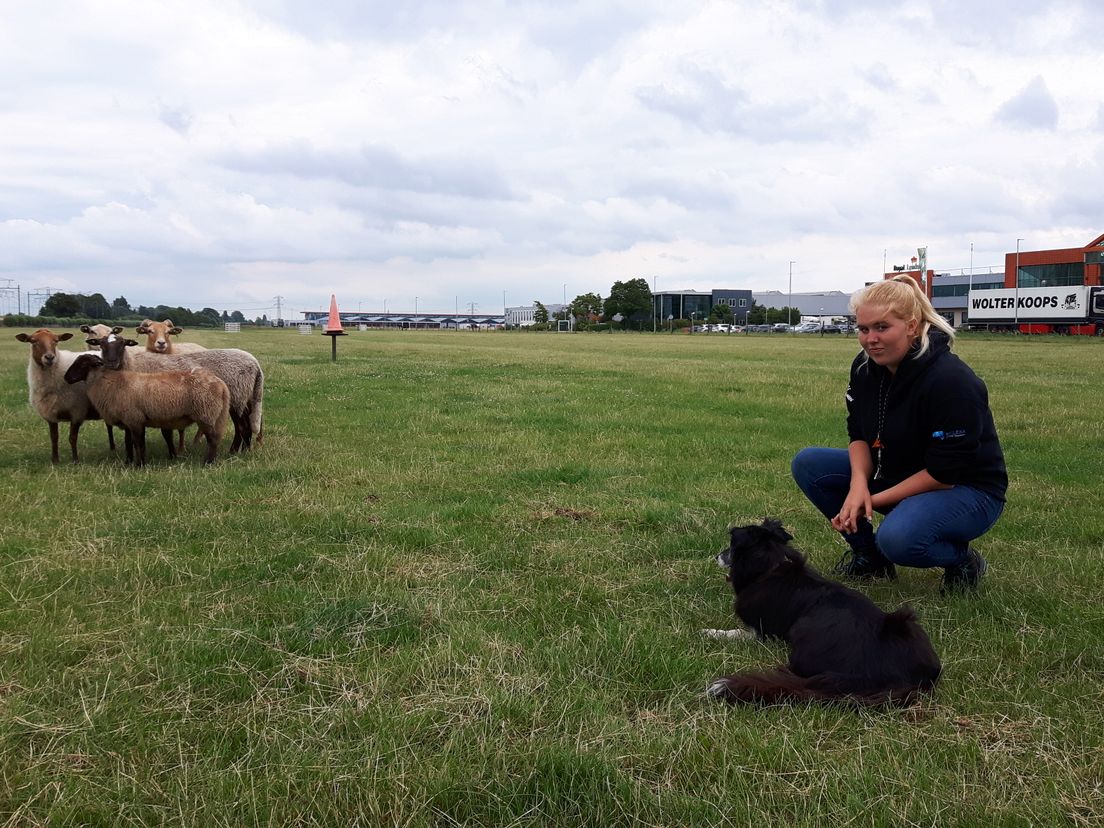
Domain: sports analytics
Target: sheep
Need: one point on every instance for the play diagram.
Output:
(102, 331)
(239, 369)
(163, 399)
(99, 331)
(158, 339)
(54, 399)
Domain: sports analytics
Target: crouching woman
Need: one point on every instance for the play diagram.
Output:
(923, 447)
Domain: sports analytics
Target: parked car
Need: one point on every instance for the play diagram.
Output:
(780, 327)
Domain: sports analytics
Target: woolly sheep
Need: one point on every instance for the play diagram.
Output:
(54, 399)
(163, 399)
(159, 338)
(239, 369)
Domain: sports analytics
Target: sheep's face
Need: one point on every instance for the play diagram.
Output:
(157, 335)
(100, 331)
(112, 350)
(43, 344)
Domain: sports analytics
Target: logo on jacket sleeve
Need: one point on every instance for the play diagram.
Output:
(949, 435)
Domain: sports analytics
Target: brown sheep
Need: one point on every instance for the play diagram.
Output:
(163, 399)
(159, 338)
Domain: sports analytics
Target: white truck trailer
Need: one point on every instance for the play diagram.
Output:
(1074, 309)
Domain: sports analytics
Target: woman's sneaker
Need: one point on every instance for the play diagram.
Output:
(865, 566)
(967, 575)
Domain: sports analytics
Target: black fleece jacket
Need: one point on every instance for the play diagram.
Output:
(934, 414)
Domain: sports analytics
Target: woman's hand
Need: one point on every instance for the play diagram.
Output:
(856, 506)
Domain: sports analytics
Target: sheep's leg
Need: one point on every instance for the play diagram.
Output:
(181, 448)
(168, 435)
(212, 446)
(239, 430)
(110, 437)
(247, 432)
(53, 442)
(140, 446)
(129, 439)
(74, 430)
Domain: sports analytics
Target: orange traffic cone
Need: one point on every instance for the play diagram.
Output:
(333, 324)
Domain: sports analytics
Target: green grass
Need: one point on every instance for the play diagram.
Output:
(462, 581)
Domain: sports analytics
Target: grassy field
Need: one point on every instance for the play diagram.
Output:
(462, 581)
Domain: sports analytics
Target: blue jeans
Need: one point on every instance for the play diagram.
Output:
(925, 530)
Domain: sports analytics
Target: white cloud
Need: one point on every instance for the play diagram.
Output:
(212, 154)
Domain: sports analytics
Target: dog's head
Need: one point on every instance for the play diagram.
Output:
(755, 550)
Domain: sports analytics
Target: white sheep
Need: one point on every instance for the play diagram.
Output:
(164, 399)
(51, 396)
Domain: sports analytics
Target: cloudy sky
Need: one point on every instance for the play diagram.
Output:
(220, 153)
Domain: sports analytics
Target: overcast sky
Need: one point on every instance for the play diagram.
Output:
(224, 153)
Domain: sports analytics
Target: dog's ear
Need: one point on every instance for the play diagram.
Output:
(775, 530)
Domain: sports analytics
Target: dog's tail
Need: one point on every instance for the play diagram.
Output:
(782, 685)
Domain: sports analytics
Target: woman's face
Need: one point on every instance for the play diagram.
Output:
(885, 338)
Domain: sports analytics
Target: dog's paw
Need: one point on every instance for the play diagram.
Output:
(728, 635)
(718, 689)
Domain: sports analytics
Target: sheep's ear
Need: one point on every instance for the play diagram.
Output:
(22, 337)
(129, 342)
(118, 329)
(94, 341)
(64, 336)
(176, 331)
(85, 329)
(142, 329)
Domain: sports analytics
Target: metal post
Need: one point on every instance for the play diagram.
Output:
(789, 309)
(1017, 295)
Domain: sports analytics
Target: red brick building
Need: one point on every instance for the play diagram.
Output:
(1042, 268)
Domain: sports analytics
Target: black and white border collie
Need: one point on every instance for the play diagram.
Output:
(842, 647)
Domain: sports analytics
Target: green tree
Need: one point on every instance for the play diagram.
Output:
(540, 315)
(585, 306)
(61, 304)
(237, 316)
(95, 306)
(721, 313)
(120, 308)
(631, 299)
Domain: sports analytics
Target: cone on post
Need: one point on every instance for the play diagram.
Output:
(333, 328)
(333, 324)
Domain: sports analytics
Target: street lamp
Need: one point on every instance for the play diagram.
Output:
(415, 305)
(822, 321)
(1017, 299)
(789, 310)
(655, 310)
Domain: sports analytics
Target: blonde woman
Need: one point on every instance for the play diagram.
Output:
(923, 447)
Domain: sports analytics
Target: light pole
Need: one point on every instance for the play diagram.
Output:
(655, 311)
(789, 310)
(565, 303)
(822, 322)
(415, 305)
(1017, 298)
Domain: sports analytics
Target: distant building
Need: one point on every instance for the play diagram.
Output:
(697, 304)
(522, 316)
(448, 321)
(823, 305)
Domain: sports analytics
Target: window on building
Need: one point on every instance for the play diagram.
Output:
(1066, 273)
(743, 303)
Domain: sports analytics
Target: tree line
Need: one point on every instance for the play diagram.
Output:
(96, 306)
(630, 305)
